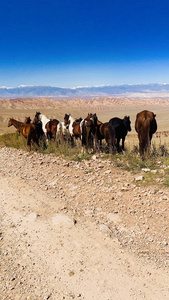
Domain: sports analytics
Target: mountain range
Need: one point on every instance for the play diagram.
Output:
(137, 91)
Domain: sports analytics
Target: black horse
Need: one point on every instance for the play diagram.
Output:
(39, 132)
(118, 129)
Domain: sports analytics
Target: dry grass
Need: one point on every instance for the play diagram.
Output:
(80, 108)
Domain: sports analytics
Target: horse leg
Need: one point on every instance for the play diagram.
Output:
(36, 140)
(112, 143)
(29, 143)
(53, 134)
(123, 140)
(72, 140)
(91, 141)
(118, 142)
(97, 143)
(87, 138)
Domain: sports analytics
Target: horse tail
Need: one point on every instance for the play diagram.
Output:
(144, 138)
(112, 134)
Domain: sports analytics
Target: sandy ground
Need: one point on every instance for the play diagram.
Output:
(80, 230)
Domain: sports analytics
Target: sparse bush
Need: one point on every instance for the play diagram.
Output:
(153, 151)
(163, 150)
(135, 149)
(14, 140)
(129, 160)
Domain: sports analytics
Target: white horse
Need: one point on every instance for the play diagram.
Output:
(54, 129)
(63, 128)
(71, 120)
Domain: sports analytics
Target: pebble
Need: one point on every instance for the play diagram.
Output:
(139, 178)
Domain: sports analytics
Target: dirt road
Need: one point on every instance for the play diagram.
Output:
(80, 230)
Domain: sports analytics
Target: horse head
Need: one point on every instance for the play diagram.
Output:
(66, 119)
(35, 120)
(37, 115)
(127, 123)
(95, 119)
(78, 120)
(27, 120)
(10, 122)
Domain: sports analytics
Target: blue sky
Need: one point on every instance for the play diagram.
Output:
(72, 43)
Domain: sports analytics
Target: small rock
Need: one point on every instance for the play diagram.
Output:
(139, 178)
(115, 218)
(154, 171)
(107, 172)
(104, 227)
(94, 157)
(146, 170)
(63, 219)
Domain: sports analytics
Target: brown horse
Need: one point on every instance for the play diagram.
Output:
(74, 127)
(51, 127)
(145, 126)
(88, 132)
(27, 130)
(101, 131)
(80, 129)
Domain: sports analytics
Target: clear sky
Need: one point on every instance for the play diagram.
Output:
(71, 43)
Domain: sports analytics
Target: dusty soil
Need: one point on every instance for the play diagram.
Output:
(80, 230)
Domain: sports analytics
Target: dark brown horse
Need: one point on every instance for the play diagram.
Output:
(88, 132)
(118, 129)
(27, 130)
(145, 126)
(101, 131)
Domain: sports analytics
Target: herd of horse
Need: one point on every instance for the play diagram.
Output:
(89, 130)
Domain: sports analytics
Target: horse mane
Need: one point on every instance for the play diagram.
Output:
(71, 119)
(78, 120)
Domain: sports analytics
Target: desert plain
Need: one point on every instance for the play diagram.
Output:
(81, 230)
(105, 108)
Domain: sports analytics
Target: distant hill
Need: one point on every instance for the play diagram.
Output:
(136, 91)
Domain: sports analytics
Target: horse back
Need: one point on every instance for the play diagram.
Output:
(104, 129)
(145, 121)
(76, 128)
(117, 127)
(29, 130)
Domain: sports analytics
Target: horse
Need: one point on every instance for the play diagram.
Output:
(118, 129)
(88, 131)
(101, 131)
(74, 126)
(39, 131)
(145, 126)
(50, 127)
(27, 130)
(80, 128)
